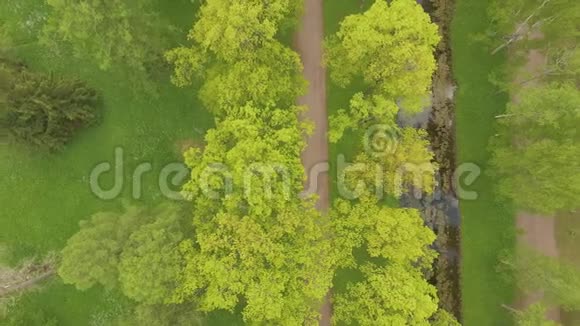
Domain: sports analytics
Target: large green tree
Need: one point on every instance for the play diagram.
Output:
(91, 256)
(390, 47)
(113, 32)
(392, 289)
(395, 234)
(362, 112)
(537, 153)
(150, 265)
(136, 251)
(557, 280)
(232, 29)
(236, 52)
(257, 243)
(43, 110)
(394, 161)
(533, 315)
(390, 295)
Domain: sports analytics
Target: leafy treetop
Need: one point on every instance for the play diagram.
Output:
(257, 243)
(391, 47)
(537, 153)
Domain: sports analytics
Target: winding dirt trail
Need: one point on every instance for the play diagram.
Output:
(309, 44)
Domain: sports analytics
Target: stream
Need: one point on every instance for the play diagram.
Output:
(441, 209)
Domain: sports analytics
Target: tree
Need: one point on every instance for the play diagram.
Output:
(537, 154)
(43, 110)
(91, 256)
(136, 251)
(533, 315)
(558, 281)
(363, 110)
(391, 295)
(391, 47)
(397, 235)
(257, 244)
(114, 32)
(234, 41)
(271, 78)
(233, 29)
(394, 160)
(393, 289)
(150, 265)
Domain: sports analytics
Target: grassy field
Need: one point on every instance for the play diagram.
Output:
(487, 226)
(43, 197)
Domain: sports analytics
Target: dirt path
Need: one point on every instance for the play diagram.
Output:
(309, 44)
(539, 232)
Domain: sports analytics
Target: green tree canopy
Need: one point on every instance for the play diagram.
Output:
(136, 251)
(393, 289)
(232, 29)
(557, 280)
(150, 264)
(258, 244)
(390, 295)
(391, 47)
(395, 161)
(537, 154)
(234, 42)
(110, 32)
(91, 256)
(271, 77)
(246, 146)
(43, 110)
(533, 315)
(363, 110)
(397, 235)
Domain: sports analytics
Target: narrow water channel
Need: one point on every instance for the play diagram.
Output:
(441, 210)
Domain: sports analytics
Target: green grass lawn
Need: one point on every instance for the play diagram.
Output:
(487, 227)
(43, 197)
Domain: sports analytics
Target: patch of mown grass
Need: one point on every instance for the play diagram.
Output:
(487, 225)
(43, 197)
